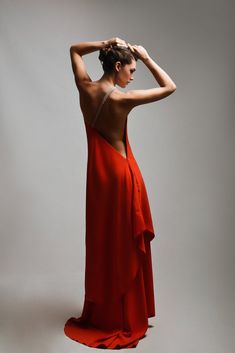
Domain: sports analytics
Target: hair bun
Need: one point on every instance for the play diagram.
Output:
(104, 52)
(113, 53)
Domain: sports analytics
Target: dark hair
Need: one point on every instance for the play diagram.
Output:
(109, 56)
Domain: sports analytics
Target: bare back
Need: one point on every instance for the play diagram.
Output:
(110, 122)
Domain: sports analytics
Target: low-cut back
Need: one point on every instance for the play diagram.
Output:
(101, 105)
(119, 290)
(94, 120)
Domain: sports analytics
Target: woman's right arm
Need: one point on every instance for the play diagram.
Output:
(77, 50)
(167, 86)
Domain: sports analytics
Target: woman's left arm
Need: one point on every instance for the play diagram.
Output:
(84, 48)
(76, 52)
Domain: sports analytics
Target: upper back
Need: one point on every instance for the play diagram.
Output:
(112, 116)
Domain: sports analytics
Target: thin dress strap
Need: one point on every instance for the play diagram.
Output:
(99, 109)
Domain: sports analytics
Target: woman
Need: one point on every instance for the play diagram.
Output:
(119, 290)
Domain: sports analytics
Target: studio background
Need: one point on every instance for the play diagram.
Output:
(184, 145)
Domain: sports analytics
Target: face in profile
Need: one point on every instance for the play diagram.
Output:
(125, 74)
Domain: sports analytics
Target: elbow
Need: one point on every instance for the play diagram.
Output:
(73, 48)
(169, 90)
(172, 88)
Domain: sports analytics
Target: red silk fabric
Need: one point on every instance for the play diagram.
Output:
(119, 289)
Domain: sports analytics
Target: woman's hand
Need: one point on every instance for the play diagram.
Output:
(116, 41)
(140, 51)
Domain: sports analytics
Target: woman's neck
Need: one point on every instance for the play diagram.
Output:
(108, 79)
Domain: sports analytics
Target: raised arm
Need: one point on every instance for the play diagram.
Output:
(78, 65)
(83, 48)
(133, 98)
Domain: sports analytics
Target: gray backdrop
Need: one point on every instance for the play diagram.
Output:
(183, 145)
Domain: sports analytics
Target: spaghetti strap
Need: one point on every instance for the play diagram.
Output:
(102, 103)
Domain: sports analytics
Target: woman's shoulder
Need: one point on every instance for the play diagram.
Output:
(94, 89)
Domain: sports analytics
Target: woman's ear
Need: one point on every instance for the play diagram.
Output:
(118, 66)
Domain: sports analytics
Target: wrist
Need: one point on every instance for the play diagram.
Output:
(145, 59)
(105, 43)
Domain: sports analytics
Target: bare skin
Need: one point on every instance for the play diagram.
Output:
(111, 121)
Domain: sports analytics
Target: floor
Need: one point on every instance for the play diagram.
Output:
(34, 310)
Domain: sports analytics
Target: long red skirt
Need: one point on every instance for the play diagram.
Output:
(119, 290)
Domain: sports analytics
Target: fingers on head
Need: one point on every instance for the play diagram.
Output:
(130, 46)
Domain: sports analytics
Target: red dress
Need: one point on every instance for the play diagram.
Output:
(119, 290)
